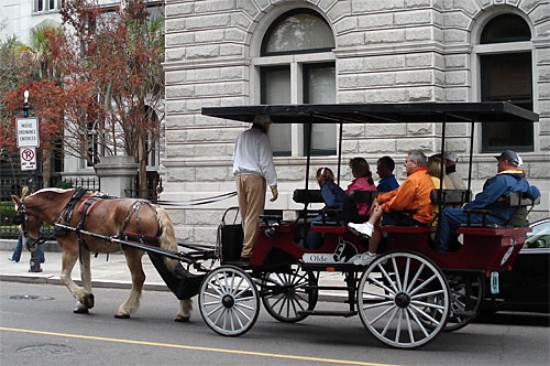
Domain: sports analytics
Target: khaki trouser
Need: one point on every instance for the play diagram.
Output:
(251, 192)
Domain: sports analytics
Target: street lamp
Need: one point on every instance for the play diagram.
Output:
(26, 104)
(35, 256)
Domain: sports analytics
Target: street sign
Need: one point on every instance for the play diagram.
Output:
(28, 158)
(27, 132)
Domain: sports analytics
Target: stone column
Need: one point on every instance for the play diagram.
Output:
(117, 175)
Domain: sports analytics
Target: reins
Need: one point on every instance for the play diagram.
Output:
(197, 201)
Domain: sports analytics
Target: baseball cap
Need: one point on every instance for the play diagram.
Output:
(262, 118)
(511, 156)
(452, 156)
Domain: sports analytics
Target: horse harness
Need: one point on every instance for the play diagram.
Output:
(85, 209)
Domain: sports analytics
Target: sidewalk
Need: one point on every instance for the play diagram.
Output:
(112, 272)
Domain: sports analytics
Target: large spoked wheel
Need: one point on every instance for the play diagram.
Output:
(467, 294)
(286, 296)
(228, 301)
(403, 299)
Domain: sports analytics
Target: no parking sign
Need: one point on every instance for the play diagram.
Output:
(28, 158)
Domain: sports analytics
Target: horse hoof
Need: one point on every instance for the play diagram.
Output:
(122, 316)
(80, 308)
(182, 319)
(89, 301)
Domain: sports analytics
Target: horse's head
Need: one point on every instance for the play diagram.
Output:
(29, 221)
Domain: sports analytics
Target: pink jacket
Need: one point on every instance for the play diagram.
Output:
(361, 184)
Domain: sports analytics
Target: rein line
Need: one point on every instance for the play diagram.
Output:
(197, 201)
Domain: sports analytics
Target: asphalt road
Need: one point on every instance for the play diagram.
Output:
(37, 327)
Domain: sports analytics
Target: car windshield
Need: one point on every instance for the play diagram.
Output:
(539, 237)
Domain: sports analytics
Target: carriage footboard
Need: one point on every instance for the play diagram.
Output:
(182, 283)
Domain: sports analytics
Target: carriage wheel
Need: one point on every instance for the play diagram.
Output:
(285, 295)
(228, 301)
(467, 294)
(396, 299)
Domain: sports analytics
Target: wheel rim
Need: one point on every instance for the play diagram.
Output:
(285, 295)
(228, 301)
(467, 293)
(396, 300)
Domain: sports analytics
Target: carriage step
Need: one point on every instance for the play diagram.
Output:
(345, 314)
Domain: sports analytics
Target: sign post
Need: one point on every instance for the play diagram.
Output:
(28, 138)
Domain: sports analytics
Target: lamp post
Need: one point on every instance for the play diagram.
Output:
(35, 254)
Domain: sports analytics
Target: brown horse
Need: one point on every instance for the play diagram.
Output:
(105, 217)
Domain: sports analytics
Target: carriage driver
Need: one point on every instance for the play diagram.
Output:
(508, 179)
(253, 166)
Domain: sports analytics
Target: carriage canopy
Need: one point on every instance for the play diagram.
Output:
(378, 113)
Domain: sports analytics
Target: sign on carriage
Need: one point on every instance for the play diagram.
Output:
(27, 132)
(28, 158)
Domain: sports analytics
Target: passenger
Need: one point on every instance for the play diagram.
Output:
(450, 171)
(508, 179)
(253, 166)
(391, 208)
(334, 198)
(362, 181)
(384, 168)
(434, 170)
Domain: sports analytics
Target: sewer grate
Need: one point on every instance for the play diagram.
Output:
(46, 349)
(31, 297)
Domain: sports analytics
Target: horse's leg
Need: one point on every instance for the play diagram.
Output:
(133, 259)
(88, 300)
(70, 255)
(184, 312)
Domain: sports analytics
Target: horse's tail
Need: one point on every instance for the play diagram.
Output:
(167, 237)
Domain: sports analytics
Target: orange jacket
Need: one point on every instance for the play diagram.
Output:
(412, 194)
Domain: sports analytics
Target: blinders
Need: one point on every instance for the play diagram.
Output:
(22, 218)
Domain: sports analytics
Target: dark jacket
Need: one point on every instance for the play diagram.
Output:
(495, 189)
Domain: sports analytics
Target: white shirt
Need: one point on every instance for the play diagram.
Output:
(253, 155)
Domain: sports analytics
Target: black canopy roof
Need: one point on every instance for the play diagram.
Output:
(378, 113)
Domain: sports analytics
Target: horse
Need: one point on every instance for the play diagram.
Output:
(93, 220)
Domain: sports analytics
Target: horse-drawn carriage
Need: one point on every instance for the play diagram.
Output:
(405, 297)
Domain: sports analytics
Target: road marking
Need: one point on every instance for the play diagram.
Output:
(195, 348)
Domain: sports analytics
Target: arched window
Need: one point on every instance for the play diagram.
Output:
(296, 66)
(506, 75)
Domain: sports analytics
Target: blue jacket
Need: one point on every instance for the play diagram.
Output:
(333, 195)
(495, 190)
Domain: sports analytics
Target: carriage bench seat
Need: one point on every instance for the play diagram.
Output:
(517, 200)
(333, 216)
(409, 234)
(414, 230)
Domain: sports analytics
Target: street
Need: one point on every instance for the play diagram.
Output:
(38, 327)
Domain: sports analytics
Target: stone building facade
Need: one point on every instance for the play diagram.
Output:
(249, 52)
(383, 51)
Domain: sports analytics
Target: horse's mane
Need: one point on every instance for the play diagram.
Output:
(53, 190)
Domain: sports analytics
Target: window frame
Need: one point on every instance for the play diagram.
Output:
(296, 62)
(479, 50)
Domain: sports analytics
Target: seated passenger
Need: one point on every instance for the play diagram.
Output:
(362, 181)
(451, 158)
(493, 198)
(384, 168)
(334, 198)
(390, 208)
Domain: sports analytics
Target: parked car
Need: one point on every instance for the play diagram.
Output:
(526, 287)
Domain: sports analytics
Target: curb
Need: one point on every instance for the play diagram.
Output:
(54, 280)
